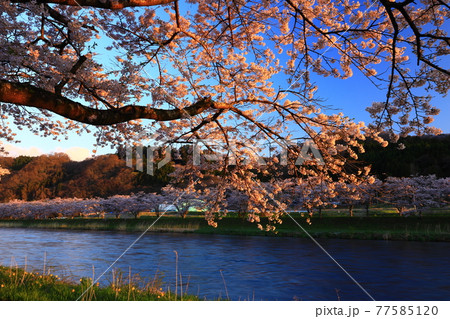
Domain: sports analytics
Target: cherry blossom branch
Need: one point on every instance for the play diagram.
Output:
(418, 35)
(205, 121)
(73, 70)
(325, 34)
(393, 64)
(29, 95)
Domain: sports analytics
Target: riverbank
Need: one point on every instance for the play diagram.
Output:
(428, 228)
(17, 284)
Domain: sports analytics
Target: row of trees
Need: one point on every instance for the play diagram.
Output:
(77, 207)
(407, 195)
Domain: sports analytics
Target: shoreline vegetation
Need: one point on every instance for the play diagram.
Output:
(18, 284)
(433, 227)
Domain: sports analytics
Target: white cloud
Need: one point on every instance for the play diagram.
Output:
(75, 153)
(15, 151)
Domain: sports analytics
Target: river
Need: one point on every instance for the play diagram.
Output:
(239, 267)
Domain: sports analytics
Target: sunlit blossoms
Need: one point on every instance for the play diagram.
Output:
(226, 71)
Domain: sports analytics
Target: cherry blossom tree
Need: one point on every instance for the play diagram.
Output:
(237, 72)
(143, 202)
(349, 195)
(442, 191)
(415, 194)
(116, 204)
(310, 194)
(184, 199)
(237, 202)
(369, 192)
(429, 192)
(399, 192)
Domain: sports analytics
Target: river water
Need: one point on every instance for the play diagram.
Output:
(242, 268)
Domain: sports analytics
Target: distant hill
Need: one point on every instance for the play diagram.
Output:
(422, 155)
(50, 176)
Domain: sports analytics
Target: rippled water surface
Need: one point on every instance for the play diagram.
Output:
(255, 268)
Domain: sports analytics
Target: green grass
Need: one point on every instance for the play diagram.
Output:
(381, 210)
(431, 227)
(173, 224)
(18, 284)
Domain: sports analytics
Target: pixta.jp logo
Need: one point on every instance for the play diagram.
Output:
(141, 156)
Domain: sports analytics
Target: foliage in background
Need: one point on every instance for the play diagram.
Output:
(411, 156)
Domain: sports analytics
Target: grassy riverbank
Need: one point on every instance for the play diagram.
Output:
(18, 284)
(427, 228)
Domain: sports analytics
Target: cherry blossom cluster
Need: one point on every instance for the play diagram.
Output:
(229, 70)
